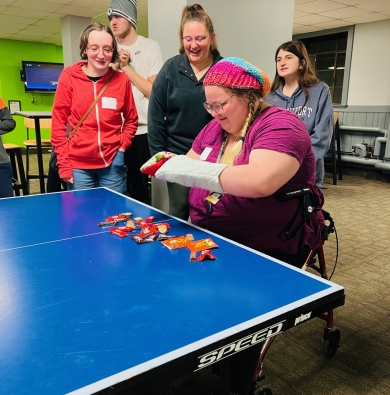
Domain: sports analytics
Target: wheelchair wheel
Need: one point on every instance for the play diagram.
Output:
(332, 342)
(262, 391)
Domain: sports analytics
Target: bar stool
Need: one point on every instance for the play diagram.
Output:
(29, 144)
(19, 182)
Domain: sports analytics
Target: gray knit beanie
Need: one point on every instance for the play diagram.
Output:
(125, 8)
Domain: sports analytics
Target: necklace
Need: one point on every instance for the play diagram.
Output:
(204, 68)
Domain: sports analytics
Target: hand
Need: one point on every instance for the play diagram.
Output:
(114, 66)
(124, 58)
(155, 162)
(68, 180)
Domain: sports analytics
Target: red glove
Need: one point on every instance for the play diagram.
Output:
(155, 162)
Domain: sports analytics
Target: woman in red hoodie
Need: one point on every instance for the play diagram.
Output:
(93, 155)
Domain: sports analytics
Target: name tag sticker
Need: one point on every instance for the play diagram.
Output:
(206, 152)
(109, 102)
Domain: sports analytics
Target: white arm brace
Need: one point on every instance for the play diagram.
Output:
(192, 173)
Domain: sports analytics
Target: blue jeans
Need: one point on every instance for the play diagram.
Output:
(113, 176)
(6, 189)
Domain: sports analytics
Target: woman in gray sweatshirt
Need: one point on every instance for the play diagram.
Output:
(296, 88)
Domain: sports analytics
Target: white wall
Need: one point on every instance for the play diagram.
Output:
(72, 27)
(369, 82)
(251, 29)
(164, 24)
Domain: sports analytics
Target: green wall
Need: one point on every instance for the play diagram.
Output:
(11, 88)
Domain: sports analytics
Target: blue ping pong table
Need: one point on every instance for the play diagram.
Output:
(84, 311)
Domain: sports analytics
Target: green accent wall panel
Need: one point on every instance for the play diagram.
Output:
(12, 88)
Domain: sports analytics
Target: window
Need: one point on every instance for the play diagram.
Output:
(330, 53)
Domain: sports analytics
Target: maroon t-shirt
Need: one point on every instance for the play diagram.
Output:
(260, 223)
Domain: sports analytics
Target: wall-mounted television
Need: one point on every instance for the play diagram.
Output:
(41, 76)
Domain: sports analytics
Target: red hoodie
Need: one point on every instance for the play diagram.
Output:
(102, 133)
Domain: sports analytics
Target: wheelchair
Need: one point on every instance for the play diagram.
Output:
(316, 261)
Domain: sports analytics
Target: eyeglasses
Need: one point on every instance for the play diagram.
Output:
(105, 50)
(198, 39)
(217, 107)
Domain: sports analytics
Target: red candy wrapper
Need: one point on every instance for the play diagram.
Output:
(118, 232)
(138, 240)
(206, 254)
(114, 219)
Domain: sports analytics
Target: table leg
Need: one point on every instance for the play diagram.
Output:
(39, 155)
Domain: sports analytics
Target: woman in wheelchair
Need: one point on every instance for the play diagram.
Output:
(252, 176)
(243, 163)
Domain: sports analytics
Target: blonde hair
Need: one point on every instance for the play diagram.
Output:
(196, 13)
(253, 96)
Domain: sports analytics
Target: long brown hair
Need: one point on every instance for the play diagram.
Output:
(306, 75)
(198, 14)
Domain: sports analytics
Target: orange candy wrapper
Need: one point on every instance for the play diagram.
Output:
(178, 242)
(200, 245)
(193, 246)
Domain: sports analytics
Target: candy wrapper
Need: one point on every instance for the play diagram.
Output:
(199, 245)
(155, 162)
(175, 242)
(114, 219)
(206, 254)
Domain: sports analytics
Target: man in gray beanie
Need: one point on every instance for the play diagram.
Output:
(140, 59)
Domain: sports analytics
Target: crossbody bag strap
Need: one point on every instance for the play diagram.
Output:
(74, 130)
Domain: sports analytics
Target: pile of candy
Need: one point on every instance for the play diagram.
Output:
(150, 232)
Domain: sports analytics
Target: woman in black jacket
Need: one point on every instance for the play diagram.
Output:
(176, 114)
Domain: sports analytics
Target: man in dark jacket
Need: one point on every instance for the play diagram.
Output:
(7, 124)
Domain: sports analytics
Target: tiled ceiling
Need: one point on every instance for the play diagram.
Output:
(40, 21)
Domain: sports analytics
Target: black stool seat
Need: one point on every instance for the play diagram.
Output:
(19, 182)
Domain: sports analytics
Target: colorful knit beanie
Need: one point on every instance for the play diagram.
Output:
(125, 8)
(237, 73)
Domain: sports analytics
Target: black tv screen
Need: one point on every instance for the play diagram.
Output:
(41, 76)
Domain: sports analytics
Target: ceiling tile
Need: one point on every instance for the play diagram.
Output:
(373, 17)
(19, 26)
(23, 37)
(331, 25)
(305, 29)
(54, 17)
(37, 5)
(298, 2)
(34, 33)
(43, 29)
(346, 12)
(22, 12)
(70, 10)
(319, 6)
(7, 18)
(376, 6)
(352, 2)
(298, 14)
(312, 19)
(7, 31)
(49, 23)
